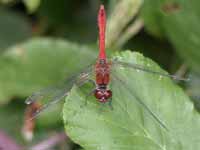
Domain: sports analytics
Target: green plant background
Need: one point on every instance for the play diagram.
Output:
(43, 42)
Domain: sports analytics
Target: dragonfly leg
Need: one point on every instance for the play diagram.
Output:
(110, 103)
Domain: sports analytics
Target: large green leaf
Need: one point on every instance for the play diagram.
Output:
(38, 63)
(179, 21)
(14, 28)
(129, 126)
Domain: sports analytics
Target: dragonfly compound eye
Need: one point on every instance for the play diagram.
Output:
(99, 94)
(108, 94)
(103, 100)
(103, 95)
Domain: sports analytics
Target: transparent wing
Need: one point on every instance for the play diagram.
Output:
(138, 100)
(54, 94)
(116, 62)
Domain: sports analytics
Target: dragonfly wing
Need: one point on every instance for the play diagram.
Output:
(116, 62)
(39, 95)
(138, 100)
(52, 101)
(56, 93)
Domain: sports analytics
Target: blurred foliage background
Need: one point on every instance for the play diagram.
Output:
(45, 41)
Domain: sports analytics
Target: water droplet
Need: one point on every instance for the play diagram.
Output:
(136, 133)
(101, 117)
(118, 58)
(137, 70)
(28, 102)
(121, 67)
(164, 147)
(160, 77)
(148, 136)
(70, 128)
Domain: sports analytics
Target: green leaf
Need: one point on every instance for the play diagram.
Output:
(129, 126)
(14, 28)
(32, 5)
(12, 124)
(150, 14)
(38, 63)
(179, 22)
(7, 1)
(57, 12)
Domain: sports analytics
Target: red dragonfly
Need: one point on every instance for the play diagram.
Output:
(102, 71)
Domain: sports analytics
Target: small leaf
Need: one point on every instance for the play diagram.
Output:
(129, 126)
(150, 14)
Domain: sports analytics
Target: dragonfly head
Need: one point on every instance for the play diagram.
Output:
(103, 95)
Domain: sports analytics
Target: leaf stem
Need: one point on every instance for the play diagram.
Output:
(123, 12)
(131, 31)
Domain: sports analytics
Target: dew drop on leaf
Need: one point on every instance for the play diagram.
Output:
(160, 77)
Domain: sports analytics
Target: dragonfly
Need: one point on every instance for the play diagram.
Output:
(102, 71)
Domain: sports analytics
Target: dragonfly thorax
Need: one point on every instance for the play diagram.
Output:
(102, 70)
